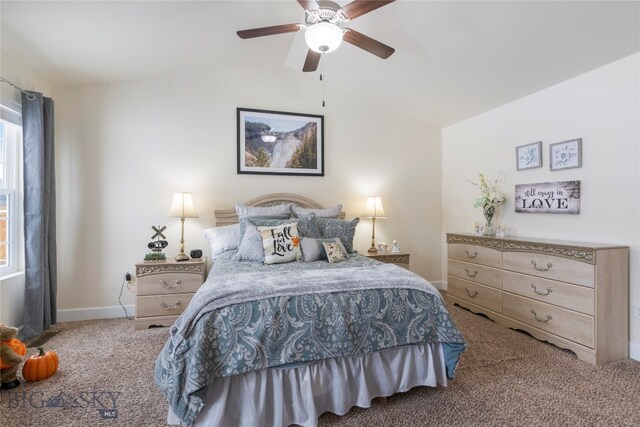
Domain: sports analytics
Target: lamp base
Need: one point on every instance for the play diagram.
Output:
(372, 250)
(182, 257)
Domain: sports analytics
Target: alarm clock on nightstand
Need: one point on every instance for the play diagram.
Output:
(196, 253)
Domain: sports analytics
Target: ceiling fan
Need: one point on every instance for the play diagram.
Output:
(323, 29)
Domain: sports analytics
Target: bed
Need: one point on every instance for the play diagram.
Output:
(280, 344)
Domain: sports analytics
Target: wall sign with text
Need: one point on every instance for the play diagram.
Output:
(548, 197)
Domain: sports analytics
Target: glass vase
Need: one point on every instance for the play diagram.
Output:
(489, 229)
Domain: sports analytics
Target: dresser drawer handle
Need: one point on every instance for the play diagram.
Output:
(469, 255)
(471, 294)
(535, 316)
(549, 265)
(536, 291)
(168, 286)
(166, 307)
(471, 273)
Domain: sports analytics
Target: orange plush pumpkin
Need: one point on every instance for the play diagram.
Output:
(18, 348)
(40, 366)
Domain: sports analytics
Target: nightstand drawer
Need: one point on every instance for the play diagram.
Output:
(477, 273)
(168, 283)
(162, 305)
(483, 296)
(475, 254)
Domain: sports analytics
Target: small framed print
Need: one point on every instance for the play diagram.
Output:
(565, 155)
(529, 156)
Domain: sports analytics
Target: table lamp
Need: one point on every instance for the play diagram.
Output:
(182, 207)
(374, 210)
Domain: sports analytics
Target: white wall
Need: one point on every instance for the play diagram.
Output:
(122, 149)
(602, 108)
(12, 286)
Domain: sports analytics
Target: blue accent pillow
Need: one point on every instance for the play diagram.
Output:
(345, 230)
(308, 226)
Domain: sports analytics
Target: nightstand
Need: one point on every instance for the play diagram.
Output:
(164, 290)
(400, 258)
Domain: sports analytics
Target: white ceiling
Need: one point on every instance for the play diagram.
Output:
(453, 59)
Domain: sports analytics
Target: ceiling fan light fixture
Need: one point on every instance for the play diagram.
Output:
(323, 37)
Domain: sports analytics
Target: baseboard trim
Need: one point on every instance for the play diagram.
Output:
(634, 351)
(440, 285)
(90, 313)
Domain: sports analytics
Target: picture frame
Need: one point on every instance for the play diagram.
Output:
(565, 155)
(529, 156)
(280, 143)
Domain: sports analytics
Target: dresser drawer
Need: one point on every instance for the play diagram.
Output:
(483, 296)
(477, 273)
(577, 298)
(550, 267)
(568, 324)
(168, 283)
(475, 254)
(162, 305)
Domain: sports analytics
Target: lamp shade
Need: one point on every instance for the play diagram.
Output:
(374, 208)
(182, 206)
(323, 37)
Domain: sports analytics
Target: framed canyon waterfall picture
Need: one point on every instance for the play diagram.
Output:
(280, 143)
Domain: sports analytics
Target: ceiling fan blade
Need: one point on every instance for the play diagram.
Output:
(308, 4)
(268, 31)
(380, 50)
(360, 7)
(312, 61)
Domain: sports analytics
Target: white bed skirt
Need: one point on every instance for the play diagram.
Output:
(300, 394)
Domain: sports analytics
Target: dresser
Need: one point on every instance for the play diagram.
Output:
(572, 294)
(401, 259)
(164, 289)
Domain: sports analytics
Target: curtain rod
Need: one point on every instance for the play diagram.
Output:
(30, 96)
(3, 80)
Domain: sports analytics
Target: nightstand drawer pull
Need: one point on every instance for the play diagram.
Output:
(536, 291)
(471, 294)
(471, 273)
(535, 316)
(549, 265)
(166, 307)
(475, 254)
(165, 285)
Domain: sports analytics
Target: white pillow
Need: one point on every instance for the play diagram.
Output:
(278, 211)
(222, 239)
(332, 212)
(281, 243)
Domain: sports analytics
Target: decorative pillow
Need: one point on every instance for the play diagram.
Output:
(333, 212)
(281, 243)
(345, 230)
(250, 248)
(222, 239)
(313, 250)
(259, 221)
(334, 254)
(277, 211)
(308, 226)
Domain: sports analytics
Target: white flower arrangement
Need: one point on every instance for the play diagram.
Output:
(490, 197)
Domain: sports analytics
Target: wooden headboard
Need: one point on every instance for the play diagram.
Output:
(229, 216)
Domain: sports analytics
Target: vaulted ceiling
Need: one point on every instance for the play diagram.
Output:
(453, 59)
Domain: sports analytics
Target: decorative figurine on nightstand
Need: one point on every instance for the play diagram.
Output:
(158, 245)
(500, 231)
(477, 230)
(382, 247)
(395, 248)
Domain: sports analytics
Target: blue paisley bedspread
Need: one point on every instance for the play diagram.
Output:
(248, 316)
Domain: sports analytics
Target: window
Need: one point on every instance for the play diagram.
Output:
(10, 166)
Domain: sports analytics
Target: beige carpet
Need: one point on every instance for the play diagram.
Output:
(504, 378)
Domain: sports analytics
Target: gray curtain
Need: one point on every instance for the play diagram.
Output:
(39, 214)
